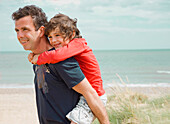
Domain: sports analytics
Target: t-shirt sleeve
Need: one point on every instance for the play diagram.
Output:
(75, 47)
(70, 72)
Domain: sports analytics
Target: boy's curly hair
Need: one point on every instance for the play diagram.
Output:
(64, 24)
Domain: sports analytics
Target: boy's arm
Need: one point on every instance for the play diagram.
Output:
(73, 48)
(93, 100)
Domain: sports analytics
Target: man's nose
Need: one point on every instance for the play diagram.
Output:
(20, 35)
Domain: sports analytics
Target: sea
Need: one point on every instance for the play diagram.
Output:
(130, 68)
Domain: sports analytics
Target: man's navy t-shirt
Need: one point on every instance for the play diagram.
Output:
(54, 96)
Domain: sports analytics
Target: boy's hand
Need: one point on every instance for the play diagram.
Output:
(30, 57)
(35, 59)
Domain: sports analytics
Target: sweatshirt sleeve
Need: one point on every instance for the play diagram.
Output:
(75, 47)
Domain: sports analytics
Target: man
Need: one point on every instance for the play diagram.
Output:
(58, 86)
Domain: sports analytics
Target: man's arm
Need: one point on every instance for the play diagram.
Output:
(74, 78)
(93, 100)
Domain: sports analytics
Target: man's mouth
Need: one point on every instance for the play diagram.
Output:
(23, 41)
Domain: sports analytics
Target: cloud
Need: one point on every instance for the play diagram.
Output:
(134, 30)
(29, 1)
(154, 11)
(112, 29)
(63, 2)
(121, 11)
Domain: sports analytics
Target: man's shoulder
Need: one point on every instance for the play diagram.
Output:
(67, 64)
(67, 61)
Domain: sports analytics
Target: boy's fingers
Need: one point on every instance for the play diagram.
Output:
(32, 62)
(30, 56)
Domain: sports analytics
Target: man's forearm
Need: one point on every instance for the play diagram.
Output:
(97, 107)
(93, 100)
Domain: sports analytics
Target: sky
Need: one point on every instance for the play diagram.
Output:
(105, 24)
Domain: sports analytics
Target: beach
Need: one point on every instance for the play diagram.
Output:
(17, 105)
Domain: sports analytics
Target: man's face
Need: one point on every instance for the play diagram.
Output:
(26, 34)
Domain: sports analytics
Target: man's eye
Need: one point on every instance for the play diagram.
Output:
(16, 30)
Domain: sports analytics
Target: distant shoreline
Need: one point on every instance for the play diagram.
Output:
(106, 85)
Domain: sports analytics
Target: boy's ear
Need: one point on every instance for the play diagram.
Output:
(73, 35)
(42, 31)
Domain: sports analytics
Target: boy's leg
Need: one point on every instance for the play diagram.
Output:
(73, 122)
(104, 99)
(82, 114)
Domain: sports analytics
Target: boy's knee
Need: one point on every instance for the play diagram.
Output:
(73, 122)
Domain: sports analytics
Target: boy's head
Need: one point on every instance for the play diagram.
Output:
(64, 26)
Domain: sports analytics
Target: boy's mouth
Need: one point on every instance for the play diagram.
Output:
(57, 44)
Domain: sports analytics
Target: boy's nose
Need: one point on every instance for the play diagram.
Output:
(54, 40)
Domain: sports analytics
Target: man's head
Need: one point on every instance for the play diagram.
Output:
(61, 29)
(37, 14)
(29, 22)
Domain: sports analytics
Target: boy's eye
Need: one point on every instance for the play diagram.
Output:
(49, 37)
(24, 29)
(57, 35)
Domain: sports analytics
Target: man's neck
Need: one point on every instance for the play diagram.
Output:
(43, 46)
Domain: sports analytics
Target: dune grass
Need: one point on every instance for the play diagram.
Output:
(134, 108)
(127, 107)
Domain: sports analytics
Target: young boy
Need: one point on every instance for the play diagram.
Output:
(64, 35)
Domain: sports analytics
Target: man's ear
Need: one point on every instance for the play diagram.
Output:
(42, 31)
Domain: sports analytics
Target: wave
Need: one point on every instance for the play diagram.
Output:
(138, 85)
(165, 72)
(16, 85)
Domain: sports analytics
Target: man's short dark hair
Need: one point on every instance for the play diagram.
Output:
(37, 14)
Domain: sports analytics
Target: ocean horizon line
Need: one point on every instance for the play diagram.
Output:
(98, 50)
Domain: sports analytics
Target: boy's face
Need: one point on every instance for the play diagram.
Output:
(27, 35)
(57, 39)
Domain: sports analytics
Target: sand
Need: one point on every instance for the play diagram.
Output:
(17, 105)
